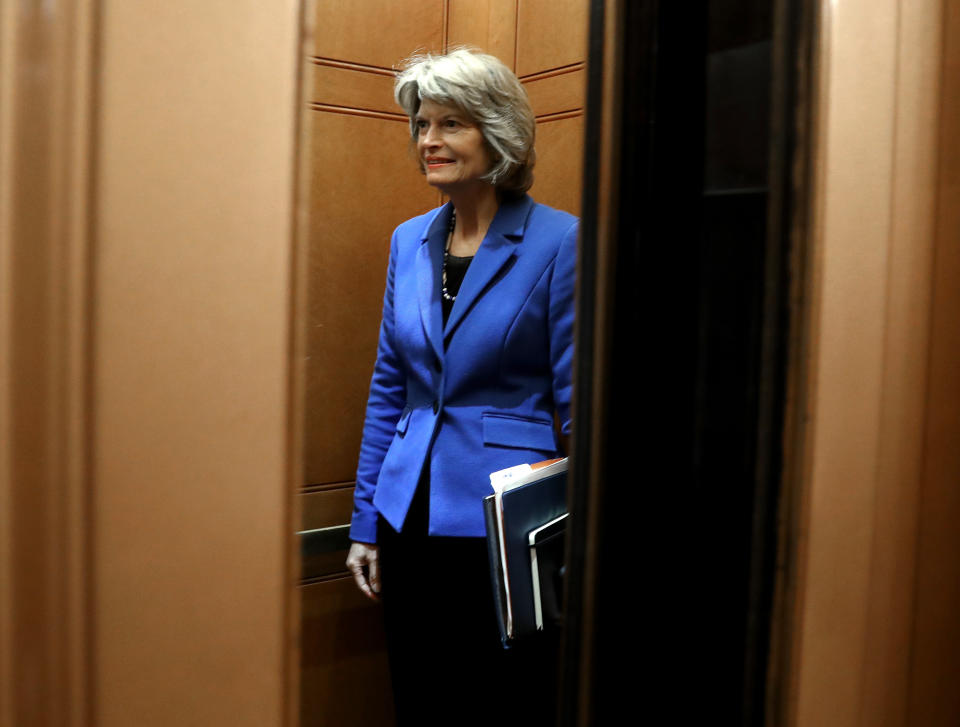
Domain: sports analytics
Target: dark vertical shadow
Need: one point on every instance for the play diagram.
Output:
(673, 543)
(572, 651)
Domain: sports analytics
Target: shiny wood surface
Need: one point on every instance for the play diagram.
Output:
(345, 677)
(487, 24)
(192, 363)
(326, 508)
(148, 375)
(557, 180)
(377, 32)
(935, 663)
(553, 93)
(47, 81)
(352, 87)
(876, 591)
(550, 34)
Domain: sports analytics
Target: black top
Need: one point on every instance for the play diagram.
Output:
(456, 269)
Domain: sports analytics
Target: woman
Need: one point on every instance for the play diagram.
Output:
(474, 359)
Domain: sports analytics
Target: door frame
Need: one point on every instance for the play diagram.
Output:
(76, 530)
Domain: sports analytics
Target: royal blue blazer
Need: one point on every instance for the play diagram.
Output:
(478, 394)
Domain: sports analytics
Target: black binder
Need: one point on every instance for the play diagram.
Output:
(496, 567)
(547, 545)
(534, 501)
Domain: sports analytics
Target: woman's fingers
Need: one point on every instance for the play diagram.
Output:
(361, 560)
(361, 580)
(374, 570)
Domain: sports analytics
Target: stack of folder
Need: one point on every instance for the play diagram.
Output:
(526, 520)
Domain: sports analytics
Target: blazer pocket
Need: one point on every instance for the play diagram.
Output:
(403, 421)
(518, 432)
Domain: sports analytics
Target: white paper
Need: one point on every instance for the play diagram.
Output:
(501, 478)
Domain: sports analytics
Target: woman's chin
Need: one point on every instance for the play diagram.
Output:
(448, 186)
(440, 183)
(439, 175)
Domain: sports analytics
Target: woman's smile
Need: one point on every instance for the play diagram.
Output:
(436, 162)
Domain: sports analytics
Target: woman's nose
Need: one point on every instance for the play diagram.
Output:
(431, 136)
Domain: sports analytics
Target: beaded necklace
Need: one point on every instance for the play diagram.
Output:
(446, 256)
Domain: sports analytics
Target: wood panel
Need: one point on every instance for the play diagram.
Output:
(934, 697)
(557, 92)
(490, 25)
(849, 331)
(849, 365)
(542, 47)
(378, 32)
(877, 639)
(550, 34)
(193, 550)
(559, 169)
(345, 681)
(353, 88)
(891, 597)
(327, 508)
(365, 182)
(48, 71)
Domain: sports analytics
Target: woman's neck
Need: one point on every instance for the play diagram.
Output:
(476, 208)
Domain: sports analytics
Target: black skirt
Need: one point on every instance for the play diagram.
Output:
(447, 664)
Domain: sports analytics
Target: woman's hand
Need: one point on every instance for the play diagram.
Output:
(363, 561)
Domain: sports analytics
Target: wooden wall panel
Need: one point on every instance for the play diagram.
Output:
(191, 368)
(345, 678)
(542, 48)
(146, 431)
(558, 174)
(550, 34)
(557, 92)
(378, 32)
(934, 697)
(326, 508)
(48, 73)
(490, 25)
(878, 576)
(364, 184)
(353, 88)
(891, 597)
(849, 333)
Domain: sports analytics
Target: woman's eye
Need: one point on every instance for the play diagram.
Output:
(451, 123)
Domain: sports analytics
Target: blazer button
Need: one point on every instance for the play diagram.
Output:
(436, 406)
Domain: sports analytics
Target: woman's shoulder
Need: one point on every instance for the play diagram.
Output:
(554, 229)
(542, 215)
(417, 227)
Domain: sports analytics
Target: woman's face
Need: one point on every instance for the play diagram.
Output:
(450, 147)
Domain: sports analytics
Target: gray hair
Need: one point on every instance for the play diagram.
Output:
(489, 93)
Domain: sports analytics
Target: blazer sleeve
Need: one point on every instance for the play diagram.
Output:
(562, 287)
(384, 406)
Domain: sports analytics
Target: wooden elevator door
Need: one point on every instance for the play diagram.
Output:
(363, 183)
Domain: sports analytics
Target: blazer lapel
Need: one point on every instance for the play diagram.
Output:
(497, 248)
(429, 264)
